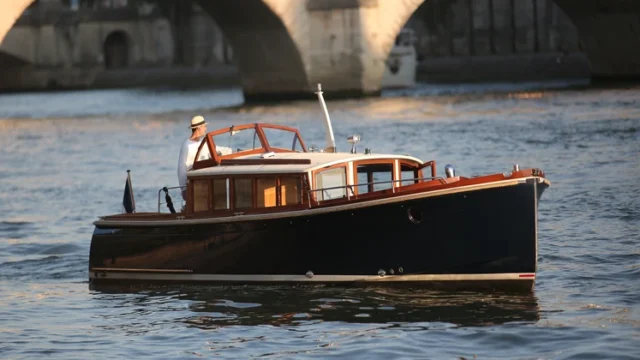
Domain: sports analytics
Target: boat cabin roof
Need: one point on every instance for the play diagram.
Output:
(277, 163)
(267, 148)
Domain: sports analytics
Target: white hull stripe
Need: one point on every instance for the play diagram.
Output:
(156, 275)
(313, 211)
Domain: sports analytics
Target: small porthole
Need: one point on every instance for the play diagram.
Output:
(415, 215)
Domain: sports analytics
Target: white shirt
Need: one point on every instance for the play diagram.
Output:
(187, 157)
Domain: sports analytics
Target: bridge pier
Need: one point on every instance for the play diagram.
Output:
(267, 56)
(283, 48)
(610, 33)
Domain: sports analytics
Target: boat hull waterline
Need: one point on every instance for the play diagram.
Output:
(482, 236)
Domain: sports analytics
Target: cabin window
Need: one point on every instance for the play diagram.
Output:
(200, 195)
(408, 174)
(266, 188)
(336, 177)
(243, 191)
(290, 191)
(374, 177)
(220, 194)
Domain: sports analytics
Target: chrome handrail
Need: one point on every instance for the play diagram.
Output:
(160, 203)
(350, 186)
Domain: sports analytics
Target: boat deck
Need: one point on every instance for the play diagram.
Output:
(425, 188)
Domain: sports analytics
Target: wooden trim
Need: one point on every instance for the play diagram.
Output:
(396, 174)
(278, 191)
(315, 172)
(263, 138)
(307, 185)
(350, 178)
(369, 181)
(264, 141)
(466, 281)
(300, 182)
(228, 199)
(285, 128)
(342, 164)
(204, 164)
(254, 186)
(351, 168)
(302, 144)
(417, 171)
(225, 176)
(375, 161)
(304, 183)
(213, 161)
(93, 269)
(396, 165)
(281, 150)
(277, 126)
(210, 197)
(192, 196)
(370, 187)
(423, 189)
(428, 186)
(242, 153)
(212, 150)
(265, 162)
(232, 127)
(272, 209)
(431, 163)
(221, 131)
(189, 199)
(202, 142)
(232, 194)
(254, 192)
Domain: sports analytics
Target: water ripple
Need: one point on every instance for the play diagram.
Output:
(586, 299)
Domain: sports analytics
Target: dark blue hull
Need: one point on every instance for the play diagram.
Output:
(484, 237)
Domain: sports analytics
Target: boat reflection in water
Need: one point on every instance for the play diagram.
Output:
(220, 306)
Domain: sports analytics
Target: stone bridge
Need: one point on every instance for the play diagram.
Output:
(285, 47)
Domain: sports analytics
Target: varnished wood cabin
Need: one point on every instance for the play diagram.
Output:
(268, 174)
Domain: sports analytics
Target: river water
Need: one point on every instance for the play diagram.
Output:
(63, 162)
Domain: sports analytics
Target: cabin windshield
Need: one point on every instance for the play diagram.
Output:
(248, 139)
(283, 139)
(235, 141)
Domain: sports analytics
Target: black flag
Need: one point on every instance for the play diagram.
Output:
(128, 201)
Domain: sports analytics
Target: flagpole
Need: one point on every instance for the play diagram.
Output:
(133, 200)
(128, 201)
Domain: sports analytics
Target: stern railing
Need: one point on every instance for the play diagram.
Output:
(351, 193)
(167, 197)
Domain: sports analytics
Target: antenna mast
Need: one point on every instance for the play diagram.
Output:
(331, 142)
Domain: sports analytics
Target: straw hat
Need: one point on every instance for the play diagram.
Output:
(197, 121)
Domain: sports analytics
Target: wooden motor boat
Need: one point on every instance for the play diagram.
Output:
(263, 208)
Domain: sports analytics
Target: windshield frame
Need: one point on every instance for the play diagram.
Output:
(216, 159)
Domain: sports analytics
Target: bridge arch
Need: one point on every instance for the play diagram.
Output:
(261, 33)
(265, 47)
(10, 11)
(281, 49)
(116, 50)
(608, 32)
(549, 61)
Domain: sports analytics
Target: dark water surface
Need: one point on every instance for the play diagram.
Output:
(63, 162)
